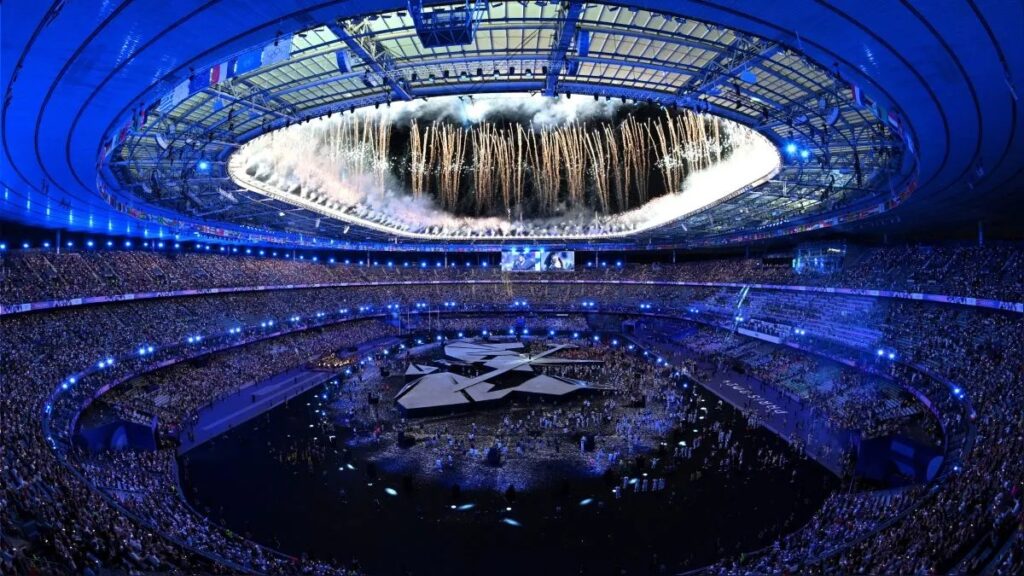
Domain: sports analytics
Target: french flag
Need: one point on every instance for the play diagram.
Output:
(857, 95)
(220, 73)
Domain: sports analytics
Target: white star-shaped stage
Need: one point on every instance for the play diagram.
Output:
(475, 372)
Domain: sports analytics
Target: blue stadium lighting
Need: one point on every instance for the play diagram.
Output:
(526, 331)
(805, 154)
(575, 334)
(511, 330)
(127, 243)
(460, 334)
(46, 244)
(892, 355)
(110, 244)
(89, 244)
(881, 352)
(791, 148)
(3, 246)
(484, 264)
(203, 166)
(177, 246)
(24, 245)
(423, 264)
(64, 385)
(248, 251)
(597, 338)
(551, 332)
(70, 244)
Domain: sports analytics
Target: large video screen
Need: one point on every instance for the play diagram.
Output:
(537, 260)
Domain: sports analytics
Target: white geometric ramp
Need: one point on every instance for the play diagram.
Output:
(511, 372)
(419, 369)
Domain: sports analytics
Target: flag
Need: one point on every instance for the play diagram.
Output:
(895, 121)
(278, 51)
(199, 81)
(247, 62)
(583, 43)
(172, 98)
(879, 111)
(857, 95)
(344, 61)
(148, 111)
(220, 73)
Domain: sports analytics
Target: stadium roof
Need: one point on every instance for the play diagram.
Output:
(118, 117)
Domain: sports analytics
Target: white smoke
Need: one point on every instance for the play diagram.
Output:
(292, 162)
(541, 111)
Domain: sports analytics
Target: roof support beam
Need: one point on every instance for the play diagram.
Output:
(569, 16)
(379, 61)
(729, 66)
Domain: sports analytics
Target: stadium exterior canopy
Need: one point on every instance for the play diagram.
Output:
(121, 117)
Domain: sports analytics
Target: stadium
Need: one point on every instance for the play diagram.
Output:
(512, 287)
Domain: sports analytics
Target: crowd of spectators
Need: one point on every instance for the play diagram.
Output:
(53, 520)
(995, 271)
(961, 522)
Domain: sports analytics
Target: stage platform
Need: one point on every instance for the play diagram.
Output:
(250, 402)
